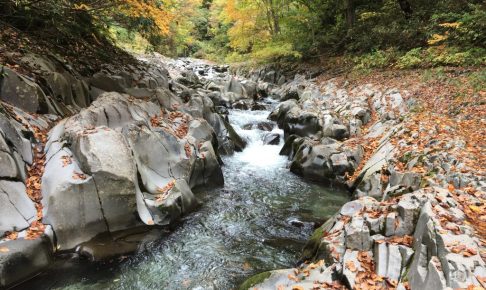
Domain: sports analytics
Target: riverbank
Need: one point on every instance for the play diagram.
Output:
(409, 148)
(413, 157)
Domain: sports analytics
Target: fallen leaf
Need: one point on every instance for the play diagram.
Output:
(4, 250)
(293, 278)
(351, 266)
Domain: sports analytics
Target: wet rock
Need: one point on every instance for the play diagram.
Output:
(225, 144)
(271, 139)
(23, 259)
(265, 126)
(111, 245)
(238, 142)
(236, 88)
(280, 113)
(171, 206)
(258, 107)
(316, 162)
(304, 125)
(207, 168)
(240, 105)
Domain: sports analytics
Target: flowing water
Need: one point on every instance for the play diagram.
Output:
(258, 221)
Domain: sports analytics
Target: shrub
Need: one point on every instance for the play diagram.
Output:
(412, 59)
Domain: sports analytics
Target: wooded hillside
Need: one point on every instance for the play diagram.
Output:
(399, 33)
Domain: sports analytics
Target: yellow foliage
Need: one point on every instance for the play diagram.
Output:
(158, 11)
(436, 38)
(246, 19)
(450, 24)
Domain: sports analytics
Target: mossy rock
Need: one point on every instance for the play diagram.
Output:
(254, 280)
(313, 249)
(312, 245)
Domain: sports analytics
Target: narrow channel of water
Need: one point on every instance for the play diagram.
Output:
(259, 221)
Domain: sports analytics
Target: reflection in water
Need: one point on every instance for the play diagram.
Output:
(259, 221)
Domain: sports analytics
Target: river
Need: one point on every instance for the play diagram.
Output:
(258, 221)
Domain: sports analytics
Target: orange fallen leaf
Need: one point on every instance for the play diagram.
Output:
(351, 266)
(293, 278)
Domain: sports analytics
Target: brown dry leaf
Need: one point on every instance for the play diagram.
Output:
(293, 278)
(66, 160)
(297, 288)
(79, 175)
(351, 266)
(11, 235)
(246, 266)
(4, 250)
(451, 188)
(188, 150)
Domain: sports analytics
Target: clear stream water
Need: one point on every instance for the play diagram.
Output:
(258, 221)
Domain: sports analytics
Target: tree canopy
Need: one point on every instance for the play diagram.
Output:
(263, 30)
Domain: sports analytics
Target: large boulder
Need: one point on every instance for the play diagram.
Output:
(70, 199)
(20, 91)
(104, 154)
(321, 162)
(22, 258)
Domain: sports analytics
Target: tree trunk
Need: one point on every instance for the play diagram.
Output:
(350, 13)
(406, 8)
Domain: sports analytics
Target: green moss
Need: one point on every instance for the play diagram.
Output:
(312, 244)
(253, 280)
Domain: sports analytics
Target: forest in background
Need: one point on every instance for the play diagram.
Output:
(368, 34)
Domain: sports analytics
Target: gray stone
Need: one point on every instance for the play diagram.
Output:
(8, 167)
(10, 218)
(351, 208)
(105, 155)
(70, 203)
(17, 195)
(339, 132)
(340, 163)
(350, 276)
(108, 83)
(22, 259)
(357, 235)
(271, 139)
(20, 91)
(206, 169)
(388, 260)
(177, 202)
(20, 144)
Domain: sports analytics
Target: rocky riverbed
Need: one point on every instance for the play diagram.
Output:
(104, 165)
